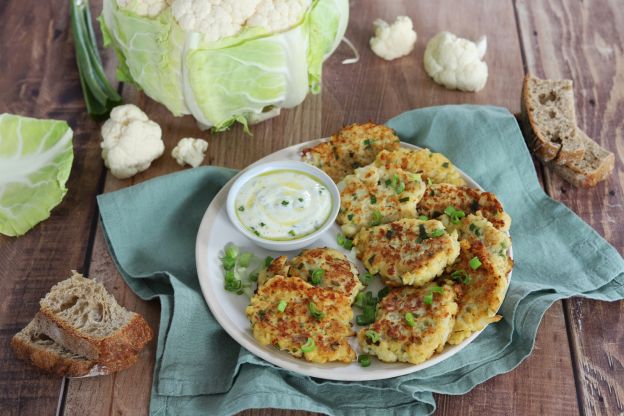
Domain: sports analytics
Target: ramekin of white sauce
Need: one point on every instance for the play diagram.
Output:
(283, 205)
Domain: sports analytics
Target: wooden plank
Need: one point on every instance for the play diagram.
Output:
(39, 79)
(584, 41)
(377, 90)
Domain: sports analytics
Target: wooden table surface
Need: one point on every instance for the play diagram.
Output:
(577, 365)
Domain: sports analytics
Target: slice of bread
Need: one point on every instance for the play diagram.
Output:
(80, 315)
(597, 164)
(548, 108)
(31, 345)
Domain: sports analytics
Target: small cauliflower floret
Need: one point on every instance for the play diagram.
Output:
(456, 62)
(395, 40)
(214, 18)
(278, 15)
(130, 141)
(190, 151)
(149, 8)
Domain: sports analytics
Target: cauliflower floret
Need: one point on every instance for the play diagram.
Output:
(278, 15)
(214, 18)
(190, 151)
(148, 8)
(130, 141)
(395, 40)
(456, 63)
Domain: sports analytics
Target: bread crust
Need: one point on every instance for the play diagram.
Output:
(544, 149)
(117, 351)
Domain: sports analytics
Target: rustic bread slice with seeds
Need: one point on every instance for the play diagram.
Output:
(80, 315)
(597, 165)
(550, 120)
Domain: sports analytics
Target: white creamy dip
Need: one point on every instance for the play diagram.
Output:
(283, 205)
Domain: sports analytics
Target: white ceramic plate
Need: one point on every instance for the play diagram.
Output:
(216, 231)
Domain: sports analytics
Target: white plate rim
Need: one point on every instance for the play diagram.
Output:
(283, 359)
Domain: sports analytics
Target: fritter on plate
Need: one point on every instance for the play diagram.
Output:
(352, 147)
(438, 197)
(303, 320)
(432, 166)
(279, 267)
(408, 251)
(412, 323)
(373, 196)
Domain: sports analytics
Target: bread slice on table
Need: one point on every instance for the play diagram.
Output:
(548, 108)
(596, 165)
(33, 346)
(80, 315)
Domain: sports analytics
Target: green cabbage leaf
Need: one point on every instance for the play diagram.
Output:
(35, 160)
(244, 78)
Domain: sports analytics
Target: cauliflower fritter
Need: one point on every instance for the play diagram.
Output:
(432, 166)
(413, 338)
(439, 197)
(329, 269)
(350, 148)
(408, 251)
(482, 291)
(278, 267)
(375, 195)
(303, 320)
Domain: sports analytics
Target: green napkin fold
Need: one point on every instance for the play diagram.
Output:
(151, 230)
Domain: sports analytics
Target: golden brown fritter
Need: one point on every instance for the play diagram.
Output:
(373, 196)
(278, 267)
(303, 320)
(414, 339)
(482, 290)
(407, 252)
(350, 148)
(432, 166)
(338, 272)
(438, 197)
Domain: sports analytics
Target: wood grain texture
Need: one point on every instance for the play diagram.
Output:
(39, 79)
(584, 41)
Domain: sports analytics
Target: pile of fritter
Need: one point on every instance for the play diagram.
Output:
(440, 246)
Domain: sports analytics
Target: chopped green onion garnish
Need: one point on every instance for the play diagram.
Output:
(366, 278)
(409, 318)
(461, 276)
(267, 261)
(292, 233)
(254, 276)
(428, 299)
(417, 177)
(309, 346)
(454, 214)
(374, 336)
(241, 208)
(429, 181)
(437, 232)
(377, 218)
(344, 241)
(445, 165)
(231, 251)
(284, 203)
(364, 360)
(350, 217)
(317, 277)
(400, 187)
(281, 307)
(423, 218)
(373, 199)
(315, 312)
(300, 199)
(395, 181)
(368, 143)
(228, 262)
(402, 200)
(243, 259)
(475, 263)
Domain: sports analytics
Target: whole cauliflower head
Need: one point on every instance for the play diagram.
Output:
(190, 151)
(456, 62)
(395, 40)
(130, 141)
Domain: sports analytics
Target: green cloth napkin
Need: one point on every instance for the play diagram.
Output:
(200, 370)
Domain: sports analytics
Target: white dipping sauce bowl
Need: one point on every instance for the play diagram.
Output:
(260, 169)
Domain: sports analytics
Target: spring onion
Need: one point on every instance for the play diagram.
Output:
(344, 242)
(409, 318)
(437, 232)
(309, 346)
(317, 277)
(315, 312)
(364, 360)
(373, 199)
(281, 307)
(461, 276)
(374, 336)
(99, 95)
(454, 214)
(475, 263)
(377, 218)
(366, 278)
(428, 299)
